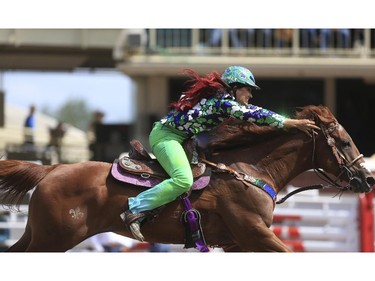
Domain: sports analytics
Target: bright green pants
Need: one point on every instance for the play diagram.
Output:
(166, 145)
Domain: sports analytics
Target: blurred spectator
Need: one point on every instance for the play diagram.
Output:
(98, 117)
(325, 38)
(56, 137)
(309, 38)
(242, 38)
(215, 39)
(217, 34)
(29, 126)
(331, 38)
(283, 38)
(358, 38)
(265, 38)
(343, 38)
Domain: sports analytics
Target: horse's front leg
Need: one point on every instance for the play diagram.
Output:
(251, 234)
(268, 241)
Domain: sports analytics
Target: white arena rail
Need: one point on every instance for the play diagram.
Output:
(12, 225)
(319, 223)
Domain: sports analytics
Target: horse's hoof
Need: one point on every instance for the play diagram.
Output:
(136, 231)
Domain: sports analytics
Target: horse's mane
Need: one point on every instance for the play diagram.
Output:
(318, 113)
(234, 132)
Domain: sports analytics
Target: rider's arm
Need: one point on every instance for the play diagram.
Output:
(254, 114)
(262, 116)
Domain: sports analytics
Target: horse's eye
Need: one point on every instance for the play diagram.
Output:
(345, 144)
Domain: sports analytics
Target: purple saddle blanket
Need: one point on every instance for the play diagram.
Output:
(123, 176)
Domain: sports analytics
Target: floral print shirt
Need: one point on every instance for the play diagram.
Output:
(210, 112)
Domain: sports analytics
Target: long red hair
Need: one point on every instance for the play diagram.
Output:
(201, 87)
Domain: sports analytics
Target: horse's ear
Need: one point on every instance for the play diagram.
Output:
(316, 117)
(324, 120)
(308, 113)
(319, 119)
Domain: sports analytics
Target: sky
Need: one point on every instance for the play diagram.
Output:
(107, 91)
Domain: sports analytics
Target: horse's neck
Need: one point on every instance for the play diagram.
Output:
(277, 161)
(288, 161)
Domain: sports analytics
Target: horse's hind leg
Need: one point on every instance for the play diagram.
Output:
(22, 244)
(47, 239)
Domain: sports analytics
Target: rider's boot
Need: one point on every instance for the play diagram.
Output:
(135, 228)
(132, 221)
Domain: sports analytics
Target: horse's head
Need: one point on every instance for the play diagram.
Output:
(336, 153)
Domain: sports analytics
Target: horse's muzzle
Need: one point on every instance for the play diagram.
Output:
(361, 184)
(370, 180)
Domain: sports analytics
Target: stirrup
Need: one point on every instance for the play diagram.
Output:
(133, 224)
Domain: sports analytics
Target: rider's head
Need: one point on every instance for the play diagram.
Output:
(238, 76)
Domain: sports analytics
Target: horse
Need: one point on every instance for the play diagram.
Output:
(72, 202)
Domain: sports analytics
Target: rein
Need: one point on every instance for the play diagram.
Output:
(344, 164)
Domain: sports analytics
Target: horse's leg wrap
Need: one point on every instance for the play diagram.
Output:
(194, 233)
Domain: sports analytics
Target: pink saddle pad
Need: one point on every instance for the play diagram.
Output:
(123, 176)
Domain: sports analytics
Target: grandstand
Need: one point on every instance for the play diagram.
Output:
(339, 73)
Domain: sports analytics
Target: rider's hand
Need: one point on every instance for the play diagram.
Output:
(305, 125)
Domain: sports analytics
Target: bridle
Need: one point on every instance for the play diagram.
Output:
(344, 165)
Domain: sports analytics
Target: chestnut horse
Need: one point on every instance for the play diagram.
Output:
(72, 202)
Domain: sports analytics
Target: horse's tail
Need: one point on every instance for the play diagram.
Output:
(19, 177)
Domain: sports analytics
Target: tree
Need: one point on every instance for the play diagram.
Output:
(75, 112)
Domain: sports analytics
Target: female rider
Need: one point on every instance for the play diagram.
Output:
(209, 101)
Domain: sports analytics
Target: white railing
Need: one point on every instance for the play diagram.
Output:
(12, 225)
(319, 223)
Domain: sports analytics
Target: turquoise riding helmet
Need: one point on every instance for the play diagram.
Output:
(239, 74)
